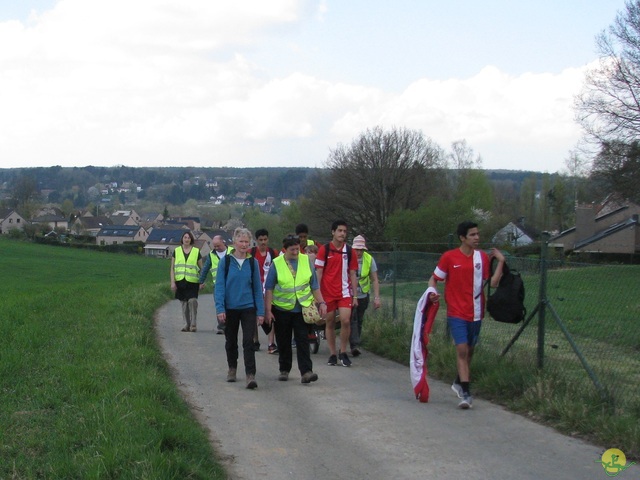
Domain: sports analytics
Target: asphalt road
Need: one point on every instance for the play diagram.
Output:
(361, 422)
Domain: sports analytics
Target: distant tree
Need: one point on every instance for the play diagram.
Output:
(618, 164)
(382, 171)
(608, 107)
(24, 191)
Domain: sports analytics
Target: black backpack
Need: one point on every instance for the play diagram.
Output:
(506, 303)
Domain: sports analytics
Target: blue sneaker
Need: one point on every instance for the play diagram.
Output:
(466, 402)
(457, 388)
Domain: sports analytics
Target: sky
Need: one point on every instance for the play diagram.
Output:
(281, 83)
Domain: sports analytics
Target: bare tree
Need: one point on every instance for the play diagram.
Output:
(608, 107)
(380, 172)
(618, 164)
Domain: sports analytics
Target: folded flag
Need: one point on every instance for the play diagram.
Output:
(426, 312)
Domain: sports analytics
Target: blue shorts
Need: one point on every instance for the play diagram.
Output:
(463, 331)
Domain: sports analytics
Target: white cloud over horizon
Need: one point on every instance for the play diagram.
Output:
(166, 83)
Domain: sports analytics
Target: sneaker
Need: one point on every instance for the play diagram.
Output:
(284, 376)
(273, 348)
(466, 402)
(251, 382)
(220, 331)
(231, 375)
(333, 361)
(309, 377)
(256, 346)
(457, 388)
(193, 328)
(356, 352)
(344, 359)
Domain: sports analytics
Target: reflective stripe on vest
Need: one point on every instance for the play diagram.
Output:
(365, 281)
(215, 260)
(186, 268)
(289, 289)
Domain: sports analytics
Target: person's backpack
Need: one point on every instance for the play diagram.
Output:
(273, 253)
(328, 247)
(506, 303)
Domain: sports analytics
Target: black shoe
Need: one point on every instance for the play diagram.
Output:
(355, 352)
(256, 347)
(344, 359)
(333, 361)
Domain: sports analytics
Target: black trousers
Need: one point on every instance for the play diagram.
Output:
(236, 318)
(286, 324)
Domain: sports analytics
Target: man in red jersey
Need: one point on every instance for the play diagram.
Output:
(336, 266)
(464, 271)
(265, 256)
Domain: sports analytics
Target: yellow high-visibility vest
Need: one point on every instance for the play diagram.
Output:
(290, 288)
(186, 268)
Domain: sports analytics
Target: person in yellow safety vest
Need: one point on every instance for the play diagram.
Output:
(367, 276)
(186, 263)
(218, 251)
(291, 283)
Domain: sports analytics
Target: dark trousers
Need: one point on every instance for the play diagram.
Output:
(246, 318)
(288, 323)
(357, 317)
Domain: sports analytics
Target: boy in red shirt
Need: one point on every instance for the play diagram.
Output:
(465, 270)
(265, 256)
(336, 266)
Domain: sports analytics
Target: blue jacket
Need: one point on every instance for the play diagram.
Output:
(236, 293)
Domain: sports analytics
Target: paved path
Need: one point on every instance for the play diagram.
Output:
(356, 423)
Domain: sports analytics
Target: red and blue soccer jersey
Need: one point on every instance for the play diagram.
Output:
(464, 278)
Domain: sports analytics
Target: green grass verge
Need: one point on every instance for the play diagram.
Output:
(598, 306)
(85, 392)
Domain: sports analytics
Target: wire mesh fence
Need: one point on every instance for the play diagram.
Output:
(584, 320)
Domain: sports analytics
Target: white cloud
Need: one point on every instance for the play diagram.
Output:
(160, 82)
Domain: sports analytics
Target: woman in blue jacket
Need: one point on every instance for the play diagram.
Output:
(239, 301)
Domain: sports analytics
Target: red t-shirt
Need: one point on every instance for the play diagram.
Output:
(464, 276)
(264, 261)
(335, 283)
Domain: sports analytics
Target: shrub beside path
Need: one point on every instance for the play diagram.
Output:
(355, 423)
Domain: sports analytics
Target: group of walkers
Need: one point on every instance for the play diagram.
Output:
(261, 287)
(269, 289)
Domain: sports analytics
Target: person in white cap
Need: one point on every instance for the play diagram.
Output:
(367, 278)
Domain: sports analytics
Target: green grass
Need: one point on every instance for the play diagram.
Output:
(85, 392)
(599, 307)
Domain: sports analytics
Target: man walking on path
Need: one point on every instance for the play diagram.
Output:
(265, 255)
(367, 280)
(465, 271)
(218, 251)
(336, 266)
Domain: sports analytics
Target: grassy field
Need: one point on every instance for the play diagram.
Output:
(599, 306)
(85, 392)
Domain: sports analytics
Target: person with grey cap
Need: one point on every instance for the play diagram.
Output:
(367, 279)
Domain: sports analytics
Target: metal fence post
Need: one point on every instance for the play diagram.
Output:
(542, 297)
(395, 274)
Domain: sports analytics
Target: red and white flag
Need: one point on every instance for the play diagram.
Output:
(422, 324)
